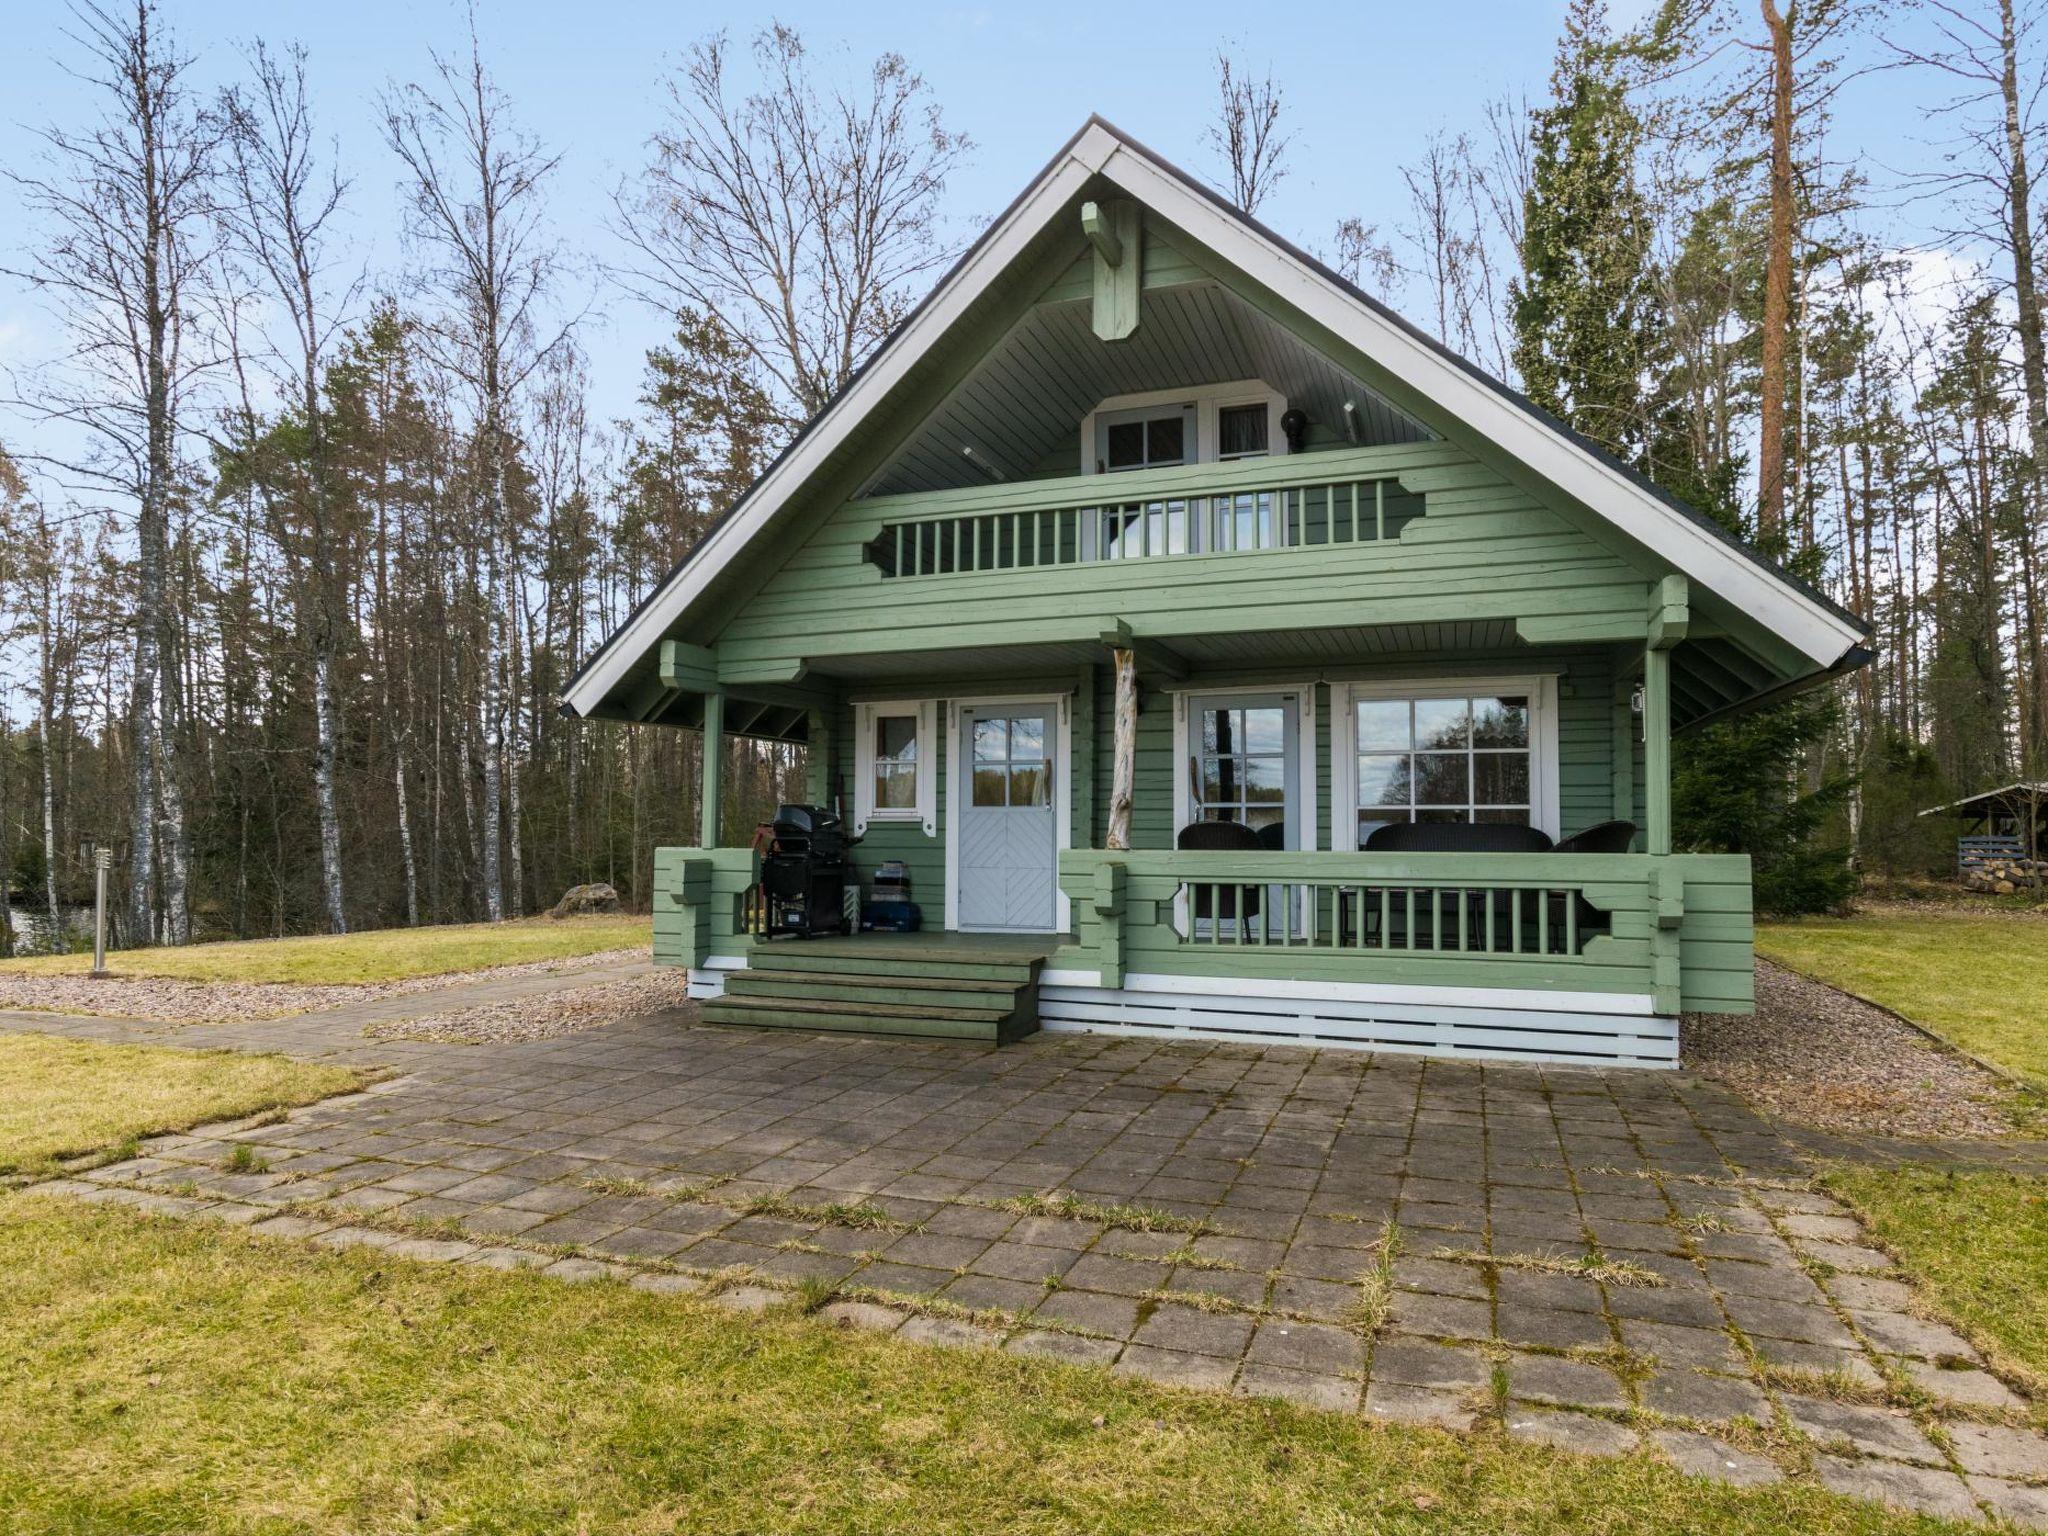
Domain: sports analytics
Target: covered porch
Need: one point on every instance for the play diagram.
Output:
(1105, 752)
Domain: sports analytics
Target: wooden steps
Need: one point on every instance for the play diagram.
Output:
(942, 987)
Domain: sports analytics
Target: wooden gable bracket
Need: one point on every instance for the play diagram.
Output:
(1669, 612)
(1113, 230)
(1152, 655)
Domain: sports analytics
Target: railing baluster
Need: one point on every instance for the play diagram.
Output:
(1409, 892)
(1571, 922)
(1379, 509)
(1543, 921)
(1492, 899)
(1464, 922)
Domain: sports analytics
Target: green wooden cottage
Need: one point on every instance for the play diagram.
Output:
(1145, 521)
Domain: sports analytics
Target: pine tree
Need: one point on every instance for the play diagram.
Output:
(1585, 312)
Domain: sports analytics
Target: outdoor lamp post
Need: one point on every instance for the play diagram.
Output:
(102, 861)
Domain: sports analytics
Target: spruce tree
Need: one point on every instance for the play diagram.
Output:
(1585, 305)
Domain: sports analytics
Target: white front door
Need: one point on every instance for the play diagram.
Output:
(1005, 823)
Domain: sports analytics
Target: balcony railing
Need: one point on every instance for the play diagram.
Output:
(1291, 502)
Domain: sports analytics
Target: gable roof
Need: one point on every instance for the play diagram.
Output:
(1695, 546)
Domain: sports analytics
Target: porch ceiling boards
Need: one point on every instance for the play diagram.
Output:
(1021, 407)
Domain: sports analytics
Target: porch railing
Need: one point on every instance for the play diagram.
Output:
(1289, 502)
(1436, 917)
(1542, 921)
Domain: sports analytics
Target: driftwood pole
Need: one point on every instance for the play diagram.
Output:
(1125, 770)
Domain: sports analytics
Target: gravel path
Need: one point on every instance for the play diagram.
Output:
(545, 1016)
(1818, 1057)
(231, 1002)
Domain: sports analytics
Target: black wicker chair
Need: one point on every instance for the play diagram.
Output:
(1220, 837)
(1457, 837)
(1602, 837)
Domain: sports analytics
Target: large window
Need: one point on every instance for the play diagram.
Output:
(1145, 439)
(894, 778)
(1443, 757)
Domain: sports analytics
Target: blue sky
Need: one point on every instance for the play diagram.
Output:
(1365, 83)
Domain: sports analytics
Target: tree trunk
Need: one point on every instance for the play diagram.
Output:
(412, 878)
(1124, 769)
(2034, 378)
(326, 731)
(1777, 323)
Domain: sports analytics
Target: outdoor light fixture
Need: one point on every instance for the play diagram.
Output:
(1295, 425)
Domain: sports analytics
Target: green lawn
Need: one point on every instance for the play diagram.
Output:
(163, 1376)
(1978, 1244)
(1973, 978)
(66, 1098)
(384, 954)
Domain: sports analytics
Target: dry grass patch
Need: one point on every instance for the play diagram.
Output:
(1119, 1217)
(62, 1099)
(1587, 1266)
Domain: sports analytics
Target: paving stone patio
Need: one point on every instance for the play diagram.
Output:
(1609, 1262)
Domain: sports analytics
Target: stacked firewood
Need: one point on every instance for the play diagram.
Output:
(2001, 875)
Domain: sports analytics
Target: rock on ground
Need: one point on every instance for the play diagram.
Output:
(584, 900)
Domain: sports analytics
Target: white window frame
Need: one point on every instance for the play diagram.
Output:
(1208, 401)
(1311, 831)
(1541, 689)
(926, 811)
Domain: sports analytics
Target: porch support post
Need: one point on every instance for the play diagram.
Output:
(1624, 750)
(714, 769)
(818, 776)
(1124, 774)
(1668, 617)
(1082, 770)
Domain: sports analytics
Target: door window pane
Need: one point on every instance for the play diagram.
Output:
(991, 786)
(991, 741)
(1027, 784)
(1263, 730)
(1027, 739)
(1126, 440)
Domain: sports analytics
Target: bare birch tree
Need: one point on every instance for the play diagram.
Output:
(474, 185)
(799, 220)
(278, 217)
(126, 206)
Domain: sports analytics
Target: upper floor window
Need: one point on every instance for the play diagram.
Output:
(1242, 431)
(1145, 439)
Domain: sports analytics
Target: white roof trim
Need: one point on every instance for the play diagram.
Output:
(1814, 629)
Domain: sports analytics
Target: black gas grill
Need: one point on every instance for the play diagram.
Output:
(804, 873)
